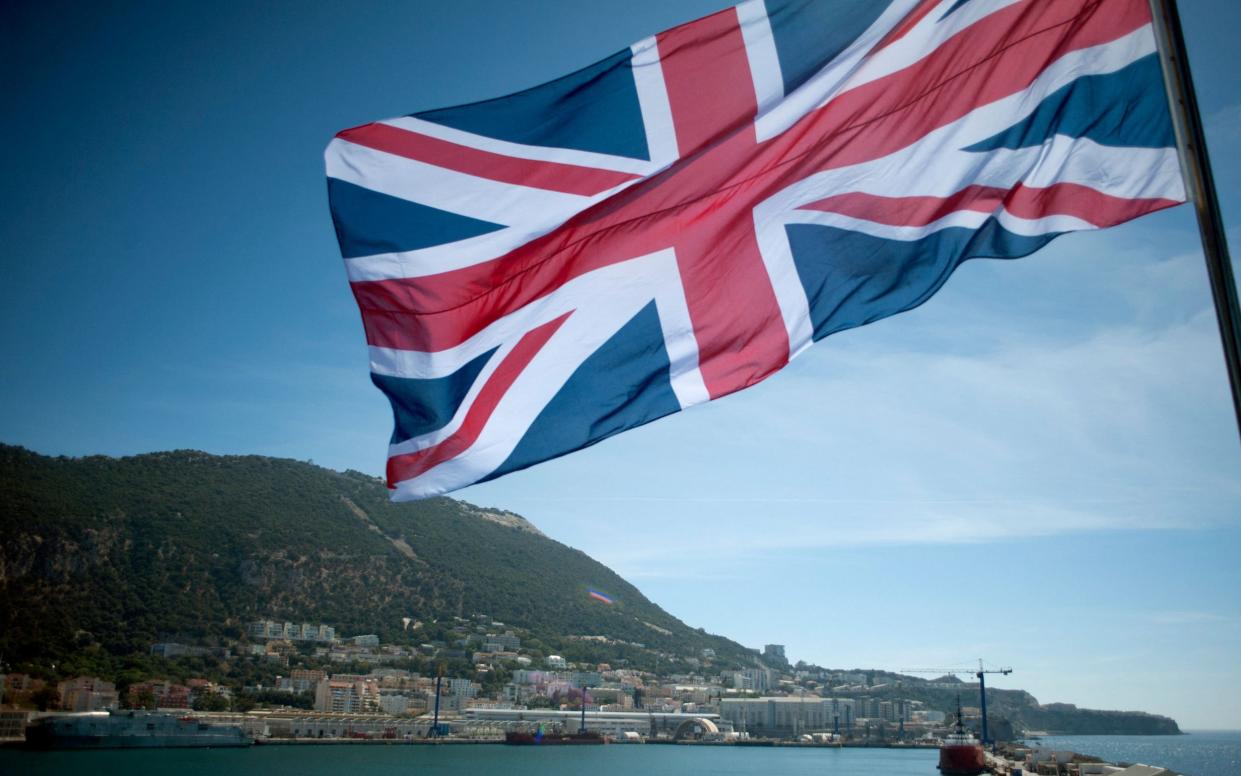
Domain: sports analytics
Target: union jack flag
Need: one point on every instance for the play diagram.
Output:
(675, 222)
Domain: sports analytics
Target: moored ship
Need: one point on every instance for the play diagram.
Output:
(131, 730)
(540, 737)
(961, 754)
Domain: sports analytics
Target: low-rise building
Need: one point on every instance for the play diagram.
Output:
(609, 723)
(347, 726)
(13, 725)
(394, 703)
(170, 649)
(502, 642)
(160, 692)
(87, 693)
(300, 680)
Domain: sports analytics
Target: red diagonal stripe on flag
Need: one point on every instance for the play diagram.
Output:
(551, 176)
(1070, 199)
(869, 122)
(907, 24)
(1005, 52)
(404, 467)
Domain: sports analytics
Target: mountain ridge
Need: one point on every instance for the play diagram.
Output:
(100, 557)
(233, 538)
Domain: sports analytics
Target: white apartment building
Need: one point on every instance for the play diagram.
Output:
(753, 679)
(272, 629)
(791, 715)
(350, 695)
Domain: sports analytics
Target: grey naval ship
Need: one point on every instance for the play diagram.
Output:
(130, 730)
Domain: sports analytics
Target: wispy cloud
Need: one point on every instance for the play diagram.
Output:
(876, 437)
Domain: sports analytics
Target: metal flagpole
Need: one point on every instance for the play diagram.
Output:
(1196, 166)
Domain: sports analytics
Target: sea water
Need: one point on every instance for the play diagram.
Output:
(1200, 753)
(487, 760)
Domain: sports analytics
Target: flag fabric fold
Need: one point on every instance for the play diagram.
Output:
(677, 221)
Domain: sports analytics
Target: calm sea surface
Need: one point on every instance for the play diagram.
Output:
(1201, 753)
(347, 760)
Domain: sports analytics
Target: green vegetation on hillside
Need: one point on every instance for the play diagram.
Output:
(109, 555)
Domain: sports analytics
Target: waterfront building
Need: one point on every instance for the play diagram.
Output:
(164, 694)
(300, 680)
(22, 683)
(393, 703)
(519, 693)
(13, 725)
(461, 688)
(785, 716)
(87, 693)
(609, 723)
(347, 694)
(346, 726)
(887, 711)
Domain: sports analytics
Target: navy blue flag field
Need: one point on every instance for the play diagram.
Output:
(677, 221)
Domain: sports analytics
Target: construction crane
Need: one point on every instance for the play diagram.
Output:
(982, 684)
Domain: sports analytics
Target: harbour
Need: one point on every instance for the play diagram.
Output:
(224, 551)
(479, 758)
(1204, 753)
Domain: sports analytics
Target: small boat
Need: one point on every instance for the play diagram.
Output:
(961, 754)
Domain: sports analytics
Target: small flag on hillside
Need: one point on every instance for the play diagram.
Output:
(675, 222)
(603, 597)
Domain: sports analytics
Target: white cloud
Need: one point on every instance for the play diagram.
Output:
(1080, 391)
(1126, 429)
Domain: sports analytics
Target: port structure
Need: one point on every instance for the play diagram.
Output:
(980, 673)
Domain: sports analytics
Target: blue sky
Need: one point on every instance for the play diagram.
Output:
(1040, 466)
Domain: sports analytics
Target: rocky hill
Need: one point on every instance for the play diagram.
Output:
(101, 557)
(1015, 711)
(114, 554)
